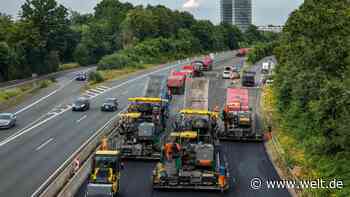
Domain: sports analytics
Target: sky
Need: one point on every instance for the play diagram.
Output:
(265, 12)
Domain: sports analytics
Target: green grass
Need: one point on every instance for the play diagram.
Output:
(68, 66)
(11, 96)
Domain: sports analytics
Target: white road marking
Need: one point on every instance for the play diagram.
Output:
(41, 99)
(9, 139)
(101, 89)
(96, 91)
(82, 118)
(22, 132)
(44, 144)
(91, 93)
(104, 87)
(36, 102)
(125, 92)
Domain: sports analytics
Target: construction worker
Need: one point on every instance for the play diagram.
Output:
(104, 143)
(170, 95)
(224, 116)
(171, 150)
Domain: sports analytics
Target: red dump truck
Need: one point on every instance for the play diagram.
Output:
(243, 52)
(194, 69)
(238, 118)
(176, 81)
(208, 63)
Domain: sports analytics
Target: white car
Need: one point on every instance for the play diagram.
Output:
(227, 74)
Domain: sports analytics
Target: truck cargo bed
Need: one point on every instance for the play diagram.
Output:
(196, 94)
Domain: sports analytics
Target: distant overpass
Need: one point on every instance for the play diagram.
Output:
(271, 28)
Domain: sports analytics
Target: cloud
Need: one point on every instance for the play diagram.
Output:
(189, 4)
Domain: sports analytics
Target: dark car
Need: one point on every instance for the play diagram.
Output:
(81, 104)
(7, 120)
(248, 79)
(111, 104)
(81, 76)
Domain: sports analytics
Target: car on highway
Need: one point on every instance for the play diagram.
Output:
(81, 104)
(111, 104)
(7, 120)
(227, 74)
(82, 76)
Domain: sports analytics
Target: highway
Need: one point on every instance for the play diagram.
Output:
(246, 160)
(35, 108)
(49, 132)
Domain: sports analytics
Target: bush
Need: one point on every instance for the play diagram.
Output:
(96, 77)
(116, 61)
(45, 84)
(260, 51)
(68, 66)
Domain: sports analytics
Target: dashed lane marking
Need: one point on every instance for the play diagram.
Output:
(44, 144)
(82, 118)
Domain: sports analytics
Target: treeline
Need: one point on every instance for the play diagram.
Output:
(47, 34)
(312, 84)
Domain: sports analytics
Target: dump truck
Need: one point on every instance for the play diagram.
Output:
(195, 69)
(176, 81)
(238, 118)
(191, 156)
(105, 175)
(248, 79)
(242, 52)
(196, 94)
(156, 87)
(208, 63)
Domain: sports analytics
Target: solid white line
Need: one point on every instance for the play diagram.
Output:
(75, 153)
(125, 92)
(41, 99)
(44, 144)
(82, 118)
(36, 102)
(9, 139)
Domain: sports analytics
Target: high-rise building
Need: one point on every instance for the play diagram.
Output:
(237, 12)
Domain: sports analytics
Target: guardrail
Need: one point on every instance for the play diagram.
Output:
(66, 180)
(54, 184)
(21, 82)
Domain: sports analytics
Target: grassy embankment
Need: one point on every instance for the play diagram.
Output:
(68, 66)
(286, 152)
(13, 96)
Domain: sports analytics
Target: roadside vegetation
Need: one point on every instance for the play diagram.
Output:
(311, 94)
(68, 66)
(128, 35)
(12, 96)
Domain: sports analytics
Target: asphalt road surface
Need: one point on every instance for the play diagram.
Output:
(246, 160)
(49, 132)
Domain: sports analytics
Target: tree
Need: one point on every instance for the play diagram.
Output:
(312, 91)
(253, 35)
(51, 23)
(5, 61)
(81, 55)
(141, 24)
(204, 31)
